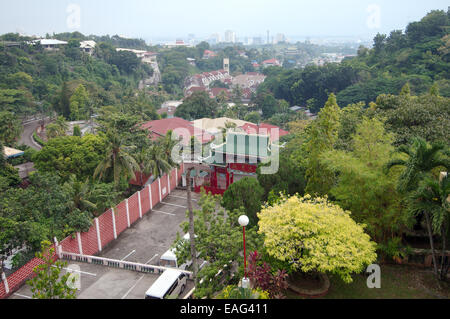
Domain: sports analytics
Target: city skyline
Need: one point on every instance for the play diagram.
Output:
(246, 19)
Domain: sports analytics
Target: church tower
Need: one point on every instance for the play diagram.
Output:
(226, 65)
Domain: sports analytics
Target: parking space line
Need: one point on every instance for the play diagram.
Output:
(194, 200)
(156, 255)
(173, 205)
(158, 211)
(78, 271)
(137, 282)
(134, 251)
(23, 296)
(134, 286)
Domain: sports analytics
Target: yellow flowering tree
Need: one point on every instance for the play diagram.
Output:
(316, 235)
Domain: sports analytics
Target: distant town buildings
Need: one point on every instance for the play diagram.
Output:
(248, 80)
(230, 36)
(208, 54)
(280, 38)
(271, 62)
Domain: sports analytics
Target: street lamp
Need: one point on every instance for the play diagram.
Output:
(243, 221)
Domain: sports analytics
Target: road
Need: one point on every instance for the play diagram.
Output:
(27, 135)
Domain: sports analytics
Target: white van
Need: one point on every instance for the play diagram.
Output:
(169, 258)
(172, 283)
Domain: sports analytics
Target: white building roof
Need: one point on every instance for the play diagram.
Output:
(87, 44)
(51, 42)
(163, 283)
(11, 152)
(214, 126)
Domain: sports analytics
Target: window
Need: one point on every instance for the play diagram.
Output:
(171, 289)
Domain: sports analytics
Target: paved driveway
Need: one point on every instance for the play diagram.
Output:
(143, 243)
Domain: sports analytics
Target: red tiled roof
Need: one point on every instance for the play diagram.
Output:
(271, 61)
(159, 128)
(216, 91)
(196, 89)
(210, 53)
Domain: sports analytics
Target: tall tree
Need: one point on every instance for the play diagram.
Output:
(432, 199)
(421, 159)
(79, 104)
(117, 160)
(10, 128)
(362, 185)
(322, 136)
(247, 194)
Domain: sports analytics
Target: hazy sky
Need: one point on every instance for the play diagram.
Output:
(152, 19)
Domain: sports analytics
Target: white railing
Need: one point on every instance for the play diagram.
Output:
(127, 265)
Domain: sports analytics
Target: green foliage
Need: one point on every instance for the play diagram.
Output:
(322, 136)
(199, 105)
(71, 155)
(419, 56)
(362, 186)
(79, 104)
(315, 235)
(76, 131)
(116, 162)
(218, 241)
(253, 117)
(247, 194)
(426, 116)
(38, 140)
(419, 159)
(234, 293)
(49, 282)
(44, 210)
(10, 128)
(289, 179)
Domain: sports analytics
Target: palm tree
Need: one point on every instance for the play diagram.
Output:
(79, 192)
(118, 159)
(167, 144)
(157, 163)
(432, 199)
(421, 159)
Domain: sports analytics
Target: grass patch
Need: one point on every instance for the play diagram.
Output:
(397, 282)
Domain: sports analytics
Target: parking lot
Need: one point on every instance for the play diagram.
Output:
(143, 243)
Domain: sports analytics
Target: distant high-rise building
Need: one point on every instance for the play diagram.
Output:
(280, 38)
(230, 36)
(214, 38)
(257, 41)
(268, 37)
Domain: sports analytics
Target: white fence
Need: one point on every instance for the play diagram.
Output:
(127, 265)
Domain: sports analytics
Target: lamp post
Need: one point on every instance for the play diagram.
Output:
(243, 221)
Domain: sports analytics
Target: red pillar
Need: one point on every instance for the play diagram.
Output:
(245, 258)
